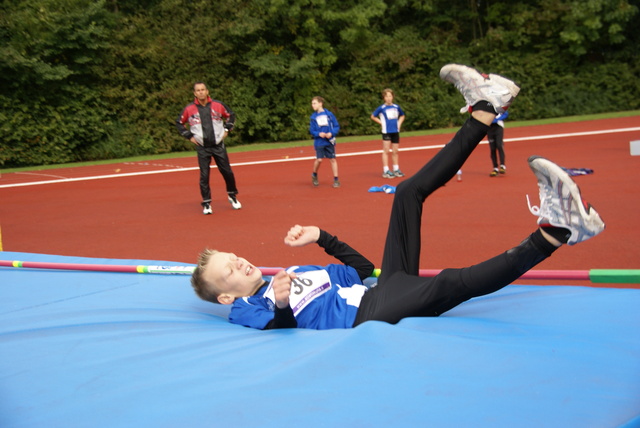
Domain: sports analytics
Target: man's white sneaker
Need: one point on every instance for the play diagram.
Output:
(206, 209)
(561, 204)
(233, 200)
(474, 86)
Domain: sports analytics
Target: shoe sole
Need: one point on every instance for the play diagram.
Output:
(452, 73)
(591, 220)
(511, 86)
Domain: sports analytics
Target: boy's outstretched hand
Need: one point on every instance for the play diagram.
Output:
(299, 236)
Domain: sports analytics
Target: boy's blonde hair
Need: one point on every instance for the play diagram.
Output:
(388, 91)
(203, 289)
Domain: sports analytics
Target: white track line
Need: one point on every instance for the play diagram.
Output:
(406, 149)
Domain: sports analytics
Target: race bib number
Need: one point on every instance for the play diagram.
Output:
(392, 113)
(322, 120)
(307, 287)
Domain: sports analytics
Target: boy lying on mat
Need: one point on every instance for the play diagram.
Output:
(325, 297)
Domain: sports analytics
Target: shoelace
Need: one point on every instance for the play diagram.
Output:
(537, 210)
(532, 208)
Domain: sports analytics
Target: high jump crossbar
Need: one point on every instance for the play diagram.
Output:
(610, 276)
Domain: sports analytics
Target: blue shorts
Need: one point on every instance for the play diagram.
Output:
(328, 152)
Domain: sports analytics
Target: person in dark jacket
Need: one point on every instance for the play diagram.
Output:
(210, 121)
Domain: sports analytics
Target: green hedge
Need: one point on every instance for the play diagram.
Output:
(89, 80)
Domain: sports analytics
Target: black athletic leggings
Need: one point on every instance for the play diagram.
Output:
(400, 292)
(495, 135)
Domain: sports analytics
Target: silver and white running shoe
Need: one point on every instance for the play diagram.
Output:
(475, 86)
(561, 204)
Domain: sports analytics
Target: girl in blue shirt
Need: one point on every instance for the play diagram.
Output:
(390, 117)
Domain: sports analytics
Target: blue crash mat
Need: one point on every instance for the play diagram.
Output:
(93, 349)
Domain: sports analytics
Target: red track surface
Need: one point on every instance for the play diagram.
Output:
(158, 216)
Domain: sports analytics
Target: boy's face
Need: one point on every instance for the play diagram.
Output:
(233, 276)
(316, 105)
(388, 98)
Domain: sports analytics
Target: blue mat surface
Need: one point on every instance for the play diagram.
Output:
(91, 349)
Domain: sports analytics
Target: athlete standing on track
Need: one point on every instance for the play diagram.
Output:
(390, 117)
(324, 297)
(495, 135)
(324, 128)
(210, 121)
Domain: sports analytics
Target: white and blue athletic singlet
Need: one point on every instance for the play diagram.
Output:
(323, 121)
(389, 115)
(322, 297)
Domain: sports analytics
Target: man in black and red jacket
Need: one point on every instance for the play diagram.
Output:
(210, 121)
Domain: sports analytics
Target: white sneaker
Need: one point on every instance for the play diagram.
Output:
(233, 200)
(206, 209)
(474, 86)
(561, 204)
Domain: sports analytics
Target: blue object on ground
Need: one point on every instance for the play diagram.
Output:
(384, 188)
(578, 171)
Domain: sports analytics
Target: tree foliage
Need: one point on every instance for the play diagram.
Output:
(84, 79)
